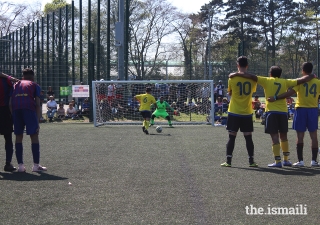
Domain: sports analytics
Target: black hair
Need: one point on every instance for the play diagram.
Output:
(275, 71)
(27, 72)
(242, 61)
(307, 67)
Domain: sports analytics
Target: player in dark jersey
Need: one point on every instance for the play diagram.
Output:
(6, 125)
(26, 112)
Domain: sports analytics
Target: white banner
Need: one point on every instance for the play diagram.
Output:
(80, 91)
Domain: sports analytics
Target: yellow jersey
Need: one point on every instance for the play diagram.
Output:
(241, 95)
(308, 93)
(145, 101)
(274, 86)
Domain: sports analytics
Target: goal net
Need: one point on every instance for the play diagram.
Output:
(114, 101)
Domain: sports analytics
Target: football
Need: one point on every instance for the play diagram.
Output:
(159, 129)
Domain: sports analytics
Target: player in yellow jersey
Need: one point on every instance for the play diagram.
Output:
(277, 112)
(306, 114)
(240, 112)
(146, 100)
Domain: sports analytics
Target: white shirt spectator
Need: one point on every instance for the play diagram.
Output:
(71, 111)
(52, 104)
(111, 90)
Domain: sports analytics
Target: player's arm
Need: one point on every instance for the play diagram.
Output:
(305, 79)
(244, 75)
(290, 92)
(168, 106)
(10, 105)
(12, 79)
(38, 107)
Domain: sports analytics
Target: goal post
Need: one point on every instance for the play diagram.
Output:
(114, 102)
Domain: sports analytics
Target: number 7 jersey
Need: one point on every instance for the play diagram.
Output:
(241, 95)
(308, 93)
(274, 86)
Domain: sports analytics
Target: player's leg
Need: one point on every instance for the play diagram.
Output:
(312, 126)
(169, 120)
(154, 115)
(9, 153)
(283, 130)
(247, 128)
(32, 129)
(6, 128)
(272, 128)
(300, 126)
(233, 127)
(284, 145)
(19, 124)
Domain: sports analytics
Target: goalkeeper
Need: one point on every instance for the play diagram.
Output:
(161, 111)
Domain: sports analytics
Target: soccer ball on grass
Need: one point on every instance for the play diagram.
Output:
(159, 129)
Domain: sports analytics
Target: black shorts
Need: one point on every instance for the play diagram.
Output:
(146, 114)
(6, 124)
(244, 123)
(276, 123)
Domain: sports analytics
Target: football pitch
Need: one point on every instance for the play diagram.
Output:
(118, 175)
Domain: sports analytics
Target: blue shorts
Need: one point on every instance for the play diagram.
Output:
(25, 118)
(305, 118)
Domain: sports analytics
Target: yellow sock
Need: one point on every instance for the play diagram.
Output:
(276, 152)
(146, 124)
(285, 150)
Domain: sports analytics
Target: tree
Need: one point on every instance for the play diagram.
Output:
(240, 22)
(14, 16)
(274, 19)
(150, 22)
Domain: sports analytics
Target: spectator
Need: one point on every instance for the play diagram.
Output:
(111, 92)
(205, 92)
(259, 113)
(50, 92)
(80, 99)
(289, 100)
(182, 90)
(291, 111)
(75, 105)
(61, 112)
(85, 108)
(220, 89)
(173, 92)
(71, 112)
(256, 103)
(51, 107)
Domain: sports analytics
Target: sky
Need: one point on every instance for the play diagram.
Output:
(186, 6)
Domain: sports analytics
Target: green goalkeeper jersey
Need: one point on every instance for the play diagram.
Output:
(161, 107)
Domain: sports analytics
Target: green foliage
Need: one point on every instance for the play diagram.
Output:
(54, 5)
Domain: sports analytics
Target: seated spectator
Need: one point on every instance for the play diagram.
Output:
(289, 100)
(256, 104)
(85, 108)
(74, 104)
(193, 107)
(61, 112)
(71, 112)
(259, 113)
(291, 111)
(51, 107)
